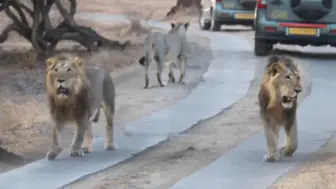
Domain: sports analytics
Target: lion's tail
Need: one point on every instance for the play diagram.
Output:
(142, 61)
(149, 45)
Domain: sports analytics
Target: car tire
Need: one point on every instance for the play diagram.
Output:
(203, 25)
(215, 26)
(261, 47)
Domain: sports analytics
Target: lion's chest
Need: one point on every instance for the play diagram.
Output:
(70, 111)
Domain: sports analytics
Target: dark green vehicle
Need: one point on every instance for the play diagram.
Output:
(299, 22)
(214, 13)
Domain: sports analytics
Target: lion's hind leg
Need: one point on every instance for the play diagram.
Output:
(159, 59)
(182, 64)
(171, 73)
(291, 140)
(109, 114)
(271, 132)
(55, 149)
(87, 144)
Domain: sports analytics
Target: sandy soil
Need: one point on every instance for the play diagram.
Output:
(317, 172)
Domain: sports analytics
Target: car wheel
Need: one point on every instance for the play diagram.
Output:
(261, 47)
(215, 26)
(204, 25)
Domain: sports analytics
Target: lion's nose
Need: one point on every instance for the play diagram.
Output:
(60, 80)
(297, 90)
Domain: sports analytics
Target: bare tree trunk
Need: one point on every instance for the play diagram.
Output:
(42, 35)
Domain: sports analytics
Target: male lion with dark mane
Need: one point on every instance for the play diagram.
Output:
(75, 94)
(278, 103)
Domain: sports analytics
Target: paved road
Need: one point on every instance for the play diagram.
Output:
(241, 168)
(209, 98)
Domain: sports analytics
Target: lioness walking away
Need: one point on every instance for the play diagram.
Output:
(170, 47)
(75, 94)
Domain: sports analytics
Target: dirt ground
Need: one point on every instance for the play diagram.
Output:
(25, 123)
(317, 172)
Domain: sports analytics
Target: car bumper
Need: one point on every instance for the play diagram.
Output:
(226, 16)
(279, 33)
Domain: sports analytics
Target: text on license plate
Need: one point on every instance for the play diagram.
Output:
(244, 16)
(302, 31)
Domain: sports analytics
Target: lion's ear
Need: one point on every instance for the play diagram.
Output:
(275, 68)
(78, 61)
(51, 61)
(186, 25)
(172, 24)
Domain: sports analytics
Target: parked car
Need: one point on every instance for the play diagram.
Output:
(294, 22)
(214, 13)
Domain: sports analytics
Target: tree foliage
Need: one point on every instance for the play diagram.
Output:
(31, 19)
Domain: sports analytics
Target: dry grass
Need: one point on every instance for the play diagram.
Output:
(18, 121)
(21, 115)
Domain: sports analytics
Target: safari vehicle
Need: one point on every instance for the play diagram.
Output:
(214, 13)
(299, 22)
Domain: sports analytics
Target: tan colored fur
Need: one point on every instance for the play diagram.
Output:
(278, 103)
(169, 47)
(75, 95)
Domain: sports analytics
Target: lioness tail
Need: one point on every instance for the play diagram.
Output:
(142, 61)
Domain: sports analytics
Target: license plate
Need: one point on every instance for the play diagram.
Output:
(302, 31)
(244, 16)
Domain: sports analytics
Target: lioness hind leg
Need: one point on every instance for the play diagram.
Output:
(55, 149)
(291, 140)
(87, 144)
(171, 73)
(182, 65)
(81, 127)
(147, 81)
(109, 130)
(159, 65)
(272, 141)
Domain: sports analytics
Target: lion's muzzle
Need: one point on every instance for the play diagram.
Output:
(61, 90)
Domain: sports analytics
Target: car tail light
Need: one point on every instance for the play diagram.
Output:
(261, 4)
(218, 1)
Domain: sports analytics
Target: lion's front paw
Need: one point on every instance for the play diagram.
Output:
(86, 150)
(272, 157)
(52, 154)
(285, 151)
(76, 152)
(111, 146)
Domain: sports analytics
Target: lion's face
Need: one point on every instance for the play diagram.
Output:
(286, 78)
(64, 74)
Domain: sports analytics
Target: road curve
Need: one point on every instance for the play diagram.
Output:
(226, 81)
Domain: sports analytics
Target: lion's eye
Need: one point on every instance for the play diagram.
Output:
(68, 70)
(298, 77)
(56, 69)
(287, 77)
